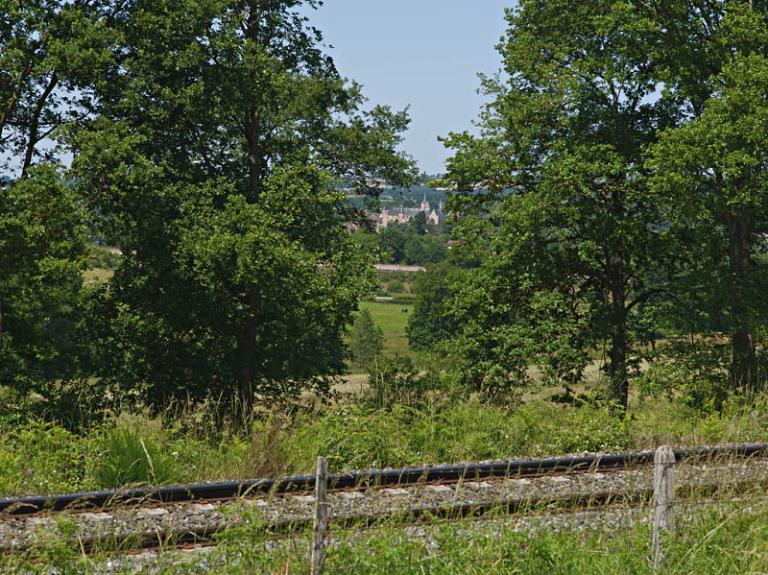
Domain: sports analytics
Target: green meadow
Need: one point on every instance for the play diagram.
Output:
(392, 319)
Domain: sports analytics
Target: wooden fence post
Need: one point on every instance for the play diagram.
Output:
(320, 532)
(663, 500)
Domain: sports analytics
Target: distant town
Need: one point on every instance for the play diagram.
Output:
(435, 216)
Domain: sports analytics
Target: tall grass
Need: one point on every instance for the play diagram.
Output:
(40, 458)
(708, 542)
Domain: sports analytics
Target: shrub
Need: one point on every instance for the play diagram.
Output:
(131, 453)
(697, 372)
(396, 381)
(395, 287)
(366, 340)
(41, 458)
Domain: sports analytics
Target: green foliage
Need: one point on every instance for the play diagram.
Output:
(41, 250)
(130, 454)
(395, 286)
(42, 458)
(579, 237)
(366, 340)
(711, 170)
(404, 244)
(395, 380)
(238, 275)
(430, 323)
(558, 158)
(695, 371)
(198, 443)
(419, 224)
(101, 257)
(365, 437)
(48, 52)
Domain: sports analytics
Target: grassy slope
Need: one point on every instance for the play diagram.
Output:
(97, 275)
(391, 319)
(41, 458)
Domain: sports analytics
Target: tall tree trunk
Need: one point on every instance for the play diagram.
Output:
(618, 320)
(249, 353)
(744, 360)
(618, 352)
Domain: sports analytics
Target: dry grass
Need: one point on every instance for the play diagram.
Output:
(97, 275)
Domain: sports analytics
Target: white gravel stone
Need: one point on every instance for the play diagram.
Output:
(351, 495)
(563, 479)
(158, 512)
(395, 492)
(438, 489)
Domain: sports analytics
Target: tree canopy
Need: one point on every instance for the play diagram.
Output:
(208, 139)
(619, 157)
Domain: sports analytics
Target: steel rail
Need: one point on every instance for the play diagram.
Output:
(358, 480)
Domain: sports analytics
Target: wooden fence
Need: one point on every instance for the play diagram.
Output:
(663, 509)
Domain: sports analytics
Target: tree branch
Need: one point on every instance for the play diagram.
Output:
(11, 107)
(33, 127)
(645, 296)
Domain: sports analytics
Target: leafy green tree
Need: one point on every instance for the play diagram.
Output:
(711, 169)
(41, 250)
(714, 167)
(219, 134)
(369, 243)
(430, 322)
(392, 240)
(48, 51)
(424, 250)
(366, 340)
(575, 230)
(419, 224)
(414, 250)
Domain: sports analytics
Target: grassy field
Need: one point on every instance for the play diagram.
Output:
(392, 320)
(97, 275)
(136, 448)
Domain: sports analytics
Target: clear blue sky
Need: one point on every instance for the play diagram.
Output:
(425, 54)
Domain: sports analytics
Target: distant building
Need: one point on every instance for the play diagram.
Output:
(403, 215)
(399, 268)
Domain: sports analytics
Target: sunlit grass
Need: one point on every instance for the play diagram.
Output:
(97, 275)
(392, 319)
(732, 539)
(39, 458)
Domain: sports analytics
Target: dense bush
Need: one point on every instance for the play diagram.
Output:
(366, 340)
(196, 445)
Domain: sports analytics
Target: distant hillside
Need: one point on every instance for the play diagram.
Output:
(412, 197)
(409, 198)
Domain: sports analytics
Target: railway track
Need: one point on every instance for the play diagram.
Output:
(356, 480)
(153, 517)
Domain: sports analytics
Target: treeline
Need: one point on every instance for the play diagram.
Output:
(617, 194)
(414, 243)
(612, 206)
(206, 140)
